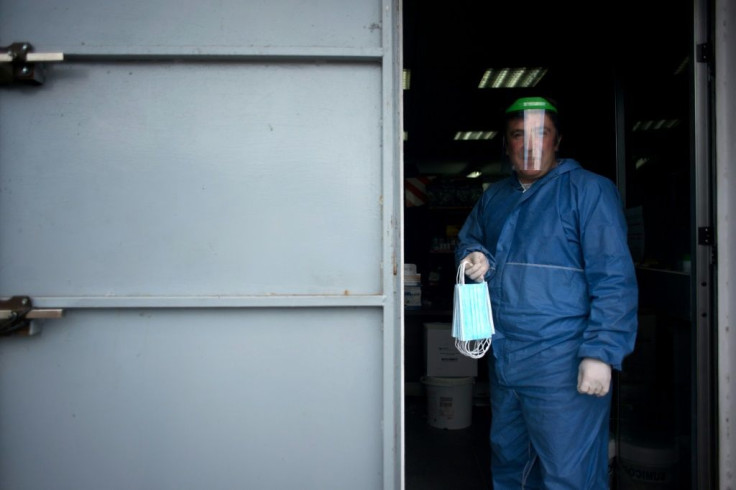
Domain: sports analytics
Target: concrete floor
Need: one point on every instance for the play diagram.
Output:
(447, 459)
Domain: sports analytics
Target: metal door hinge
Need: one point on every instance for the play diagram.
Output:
(20, 65)
(705, 53)
(705, 235)
(17, 312)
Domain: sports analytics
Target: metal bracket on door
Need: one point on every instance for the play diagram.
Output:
(20, 65)
(17, 312)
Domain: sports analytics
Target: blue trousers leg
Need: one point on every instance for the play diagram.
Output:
(548, 437)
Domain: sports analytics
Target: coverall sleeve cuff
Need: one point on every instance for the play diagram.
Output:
(601, 356)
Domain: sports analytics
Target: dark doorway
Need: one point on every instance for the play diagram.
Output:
(621, 76)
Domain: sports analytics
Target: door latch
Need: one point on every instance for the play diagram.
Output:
(19, 64)
(17, 312)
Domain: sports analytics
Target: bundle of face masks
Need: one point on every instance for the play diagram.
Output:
(472, 317)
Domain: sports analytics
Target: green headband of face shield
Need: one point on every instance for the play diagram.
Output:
(526, 103)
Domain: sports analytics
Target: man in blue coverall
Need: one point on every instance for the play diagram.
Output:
(551, 242)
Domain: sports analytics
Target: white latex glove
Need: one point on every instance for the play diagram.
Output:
(477, 266)
(594, 377)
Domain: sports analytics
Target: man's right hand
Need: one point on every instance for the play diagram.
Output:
(477, 266)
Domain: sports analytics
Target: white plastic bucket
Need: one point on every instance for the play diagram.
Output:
(648, 466)
(449, 401)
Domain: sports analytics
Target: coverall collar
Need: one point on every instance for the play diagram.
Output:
(563, 166)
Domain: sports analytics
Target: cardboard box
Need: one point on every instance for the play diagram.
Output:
(442, 357)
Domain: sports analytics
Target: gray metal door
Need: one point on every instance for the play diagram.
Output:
(209, 192)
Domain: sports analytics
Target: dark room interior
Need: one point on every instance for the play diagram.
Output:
(620, 75)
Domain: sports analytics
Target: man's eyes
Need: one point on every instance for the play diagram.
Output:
(537, 132)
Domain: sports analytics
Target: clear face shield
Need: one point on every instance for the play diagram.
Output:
(532, 137)
(535, 133)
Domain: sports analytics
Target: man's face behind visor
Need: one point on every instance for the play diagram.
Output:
(532, 141)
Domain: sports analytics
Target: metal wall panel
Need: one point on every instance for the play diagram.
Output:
(725, 39)
(193, 399)
(193, 179)
(211, 192)
(93, 26)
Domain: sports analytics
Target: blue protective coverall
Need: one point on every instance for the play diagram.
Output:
(563, 287)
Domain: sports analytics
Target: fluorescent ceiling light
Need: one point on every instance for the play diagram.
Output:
(474, 175)
(652, 125)
(512, 77)
(474, 135)
(406, 79)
